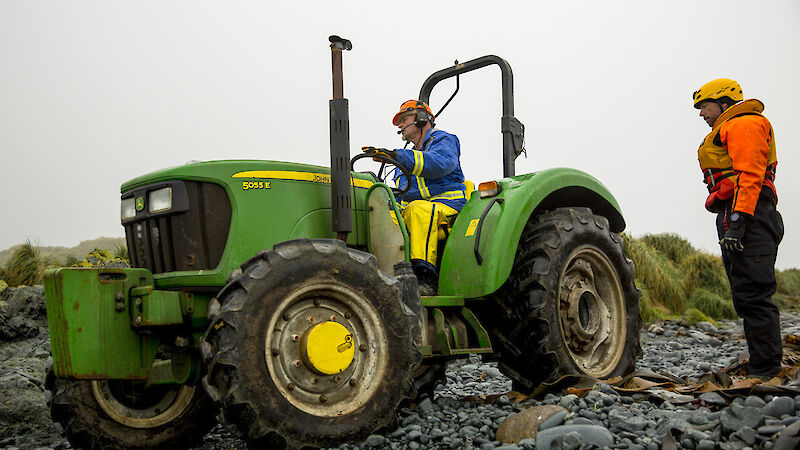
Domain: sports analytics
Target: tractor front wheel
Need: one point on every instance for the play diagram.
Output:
(99, 414)
(570, 305)
(311, 345)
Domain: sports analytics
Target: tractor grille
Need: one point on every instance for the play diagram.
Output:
(191, 236)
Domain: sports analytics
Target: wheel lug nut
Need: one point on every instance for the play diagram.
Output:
(275, 352)
(333, 318)
(290, 386)
(337, 379)
(353, 382)
(295, 337)
(286, 317)
(316, 302)
(311, 319)
(298, 363)
(362, 347)
(323, 398)
(347, 315)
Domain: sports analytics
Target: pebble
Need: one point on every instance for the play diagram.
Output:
(779, 406)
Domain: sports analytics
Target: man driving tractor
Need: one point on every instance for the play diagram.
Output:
(437, 191)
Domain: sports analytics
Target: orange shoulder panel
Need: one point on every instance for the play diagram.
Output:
(748, 141)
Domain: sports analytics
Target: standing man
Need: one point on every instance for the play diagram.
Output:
(437, 191)
(738, 163)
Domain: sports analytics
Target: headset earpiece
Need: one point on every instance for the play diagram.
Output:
(421, 118)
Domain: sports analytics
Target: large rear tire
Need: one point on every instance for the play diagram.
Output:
(101, 414)
(570, 305)
(258, 347)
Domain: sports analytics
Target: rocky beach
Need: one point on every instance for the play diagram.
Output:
(679, 397)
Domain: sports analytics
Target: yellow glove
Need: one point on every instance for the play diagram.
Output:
(372, 151)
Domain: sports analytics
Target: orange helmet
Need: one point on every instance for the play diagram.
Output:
(411, 105)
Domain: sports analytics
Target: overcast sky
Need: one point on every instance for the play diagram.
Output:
(95, 93)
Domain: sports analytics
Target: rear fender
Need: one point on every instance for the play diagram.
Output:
(471, 271)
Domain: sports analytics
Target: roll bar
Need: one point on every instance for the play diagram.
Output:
(513, 130)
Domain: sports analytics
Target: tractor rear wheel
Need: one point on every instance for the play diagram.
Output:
(99, 414)
(311, 345)
(570, 305)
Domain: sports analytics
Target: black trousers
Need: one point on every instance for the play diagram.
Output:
(752, 277)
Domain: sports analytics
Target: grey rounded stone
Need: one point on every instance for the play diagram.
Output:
(779, 406)
(375, 440)
(590, 434)
(554, 420)
(736, 417)
(705, 444)
(769, 430)
(755, 401)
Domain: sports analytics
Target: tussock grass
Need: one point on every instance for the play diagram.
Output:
(670, 245)
(712, 304)
(694, 315)
(788, 282)
(25, 268)
(658, 274)
(705, 271)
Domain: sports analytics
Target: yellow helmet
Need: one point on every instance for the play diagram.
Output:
(714, 90)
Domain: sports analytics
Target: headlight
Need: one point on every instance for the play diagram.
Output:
(128, 209)
(160, 200)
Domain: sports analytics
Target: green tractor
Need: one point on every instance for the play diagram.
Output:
(281, 295)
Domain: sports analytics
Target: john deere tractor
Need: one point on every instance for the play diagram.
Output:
(281, 295)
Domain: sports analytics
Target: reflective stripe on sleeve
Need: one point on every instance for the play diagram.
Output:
(419, 162)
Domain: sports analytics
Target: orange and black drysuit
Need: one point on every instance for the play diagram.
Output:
(738, 161)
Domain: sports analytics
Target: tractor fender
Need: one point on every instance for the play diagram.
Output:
(496, 223)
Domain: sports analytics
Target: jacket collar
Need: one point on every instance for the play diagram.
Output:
(752, 105)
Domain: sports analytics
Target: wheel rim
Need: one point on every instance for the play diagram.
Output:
(297, 378)
(130, 404)
(592, 312)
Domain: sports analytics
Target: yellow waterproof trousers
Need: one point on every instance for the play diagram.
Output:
(422, 219)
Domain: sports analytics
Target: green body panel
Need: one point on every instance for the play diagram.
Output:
(96, 313)
(460, 273)
(296, 203)
(89, 315)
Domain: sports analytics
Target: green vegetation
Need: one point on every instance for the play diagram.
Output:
(27, 263)
(679, 281)
(62, 253)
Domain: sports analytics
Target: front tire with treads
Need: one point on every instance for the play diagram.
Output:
(259, 350)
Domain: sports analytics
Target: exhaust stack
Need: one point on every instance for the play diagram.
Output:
(341, 208)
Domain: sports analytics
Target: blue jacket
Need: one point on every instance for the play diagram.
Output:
(436, 170)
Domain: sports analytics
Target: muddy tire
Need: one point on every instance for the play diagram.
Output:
(570, 305)
(119, 414)
(428, 376)
(258, 347)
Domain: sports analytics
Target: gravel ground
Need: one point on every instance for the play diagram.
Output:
(468, 411)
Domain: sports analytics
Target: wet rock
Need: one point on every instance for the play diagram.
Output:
(713, 398)
(779, 406)
(22, 312)
(736, 417)
(589, 434)
(525, 424)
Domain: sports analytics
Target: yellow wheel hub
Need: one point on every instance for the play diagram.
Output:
(329, 348)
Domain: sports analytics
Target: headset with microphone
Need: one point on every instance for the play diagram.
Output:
(420, 119)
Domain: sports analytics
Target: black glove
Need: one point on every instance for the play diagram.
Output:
(371, 151)
(737, 223)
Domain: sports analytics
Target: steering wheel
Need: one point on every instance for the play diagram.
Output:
(384, 159)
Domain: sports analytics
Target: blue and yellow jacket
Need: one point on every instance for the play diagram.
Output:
(436, 170)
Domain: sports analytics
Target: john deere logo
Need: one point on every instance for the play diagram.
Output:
(139, 203)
